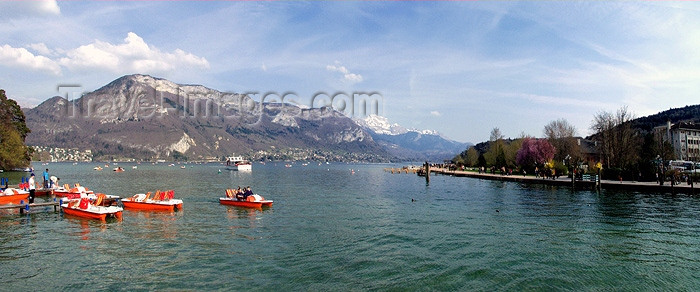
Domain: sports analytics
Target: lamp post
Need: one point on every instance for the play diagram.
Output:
(692, 174)
(659, 169)
(568, 164)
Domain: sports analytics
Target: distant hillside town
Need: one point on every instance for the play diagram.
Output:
(54, 154)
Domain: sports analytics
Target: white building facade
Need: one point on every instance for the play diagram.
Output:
(684, 137)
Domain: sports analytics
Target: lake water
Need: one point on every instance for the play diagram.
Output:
(330, 229)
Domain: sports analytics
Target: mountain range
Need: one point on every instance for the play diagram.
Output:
(410, 144)
(148, 118)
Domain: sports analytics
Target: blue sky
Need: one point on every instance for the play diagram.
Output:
(461, 68)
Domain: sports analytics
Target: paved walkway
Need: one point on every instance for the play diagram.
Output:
(565, 181)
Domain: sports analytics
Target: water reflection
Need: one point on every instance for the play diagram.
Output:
(155, 225)
(84, 226)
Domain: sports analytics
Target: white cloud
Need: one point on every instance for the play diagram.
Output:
(352, 77)
(22, 58)
(41, 48)
(18, 9)
(435, 113)
(347, 76)
(134, 55)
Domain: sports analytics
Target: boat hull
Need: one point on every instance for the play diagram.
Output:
(87, 213)
(242, 167)
(153, 206)
(14, 199)
(247, 204)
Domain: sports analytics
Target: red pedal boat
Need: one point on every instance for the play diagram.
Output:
(13, 196)
(72, 193)
(162, 201)
(83, 208)
(254, 201)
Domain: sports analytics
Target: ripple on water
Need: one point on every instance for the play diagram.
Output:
(333, 230)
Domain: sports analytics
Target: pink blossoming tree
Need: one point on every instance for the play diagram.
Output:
(534, 151)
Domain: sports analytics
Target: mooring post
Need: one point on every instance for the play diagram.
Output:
(427, 173)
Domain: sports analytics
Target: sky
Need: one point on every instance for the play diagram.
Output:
(461, 68)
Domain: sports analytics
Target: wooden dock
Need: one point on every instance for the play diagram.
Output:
(27, 207)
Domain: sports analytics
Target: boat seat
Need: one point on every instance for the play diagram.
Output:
(100, 199)
(139, 197)
(84, 204)
(171, 194)
(148, 196)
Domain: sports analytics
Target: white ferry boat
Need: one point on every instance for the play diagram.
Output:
(238, 163)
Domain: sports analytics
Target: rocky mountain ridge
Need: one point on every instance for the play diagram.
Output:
(149, 118)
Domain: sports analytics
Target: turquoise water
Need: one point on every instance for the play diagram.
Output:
(330, 229)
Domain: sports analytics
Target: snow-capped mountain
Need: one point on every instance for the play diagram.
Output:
(410, 144)
(381, 125)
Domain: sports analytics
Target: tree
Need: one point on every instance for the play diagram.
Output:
(492, 155)
(495, 156)
(11, 114)
(511, 152)
(472, 158)
(501, 157)
(534, 152)
(178, 156)
(618, 142)
(482, 160)
(469, 157)
(559, 129)
(458, 159)
(496, 135)
(12, 149)
(13, 131)
(561, 135)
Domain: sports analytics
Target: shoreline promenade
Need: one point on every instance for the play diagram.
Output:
(579, 184)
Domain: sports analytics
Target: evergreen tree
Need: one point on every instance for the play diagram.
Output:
(13, 130)
(482, 160)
